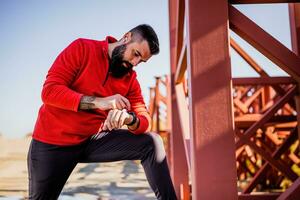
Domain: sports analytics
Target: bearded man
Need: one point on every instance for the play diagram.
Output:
(90, 93)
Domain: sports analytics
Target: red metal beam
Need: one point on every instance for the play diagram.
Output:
(297, 100)
(292, 193)
(275, 163)
(213, 169)
(179, 167)
(265, 43)
(156, 100)
(261, 1)
(245, 138)
(184, 119)
(276, 155)
(151, 103)
(266, 117)
(254, 65)
(271, 196)
(247, 58)
(263, 81)
(294, 13)
(181, 66)
(180, 16)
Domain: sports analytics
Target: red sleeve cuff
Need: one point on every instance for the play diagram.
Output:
(77, 102)
(143, 126)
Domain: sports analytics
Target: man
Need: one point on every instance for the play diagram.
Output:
(90, 92)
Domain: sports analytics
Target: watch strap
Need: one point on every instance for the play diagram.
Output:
(134, 119)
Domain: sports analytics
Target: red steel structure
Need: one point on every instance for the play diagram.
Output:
(228, 138)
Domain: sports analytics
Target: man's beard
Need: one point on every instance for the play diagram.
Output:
(116, 67)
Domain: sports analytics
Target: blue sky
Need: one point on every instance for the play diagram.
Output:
(34, 32)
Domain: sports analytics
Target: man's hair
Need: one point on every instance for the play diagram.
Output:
(147, 33)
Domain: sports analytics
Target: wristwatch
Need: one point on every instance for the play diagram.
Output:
(134, 118)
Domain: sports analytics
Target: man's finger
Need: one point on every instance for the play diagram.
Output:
(108, 119)
(122, 118)
(122, 104)
(104, 128)
(114, 118)
(119, 105)
(117, 118)
(127, 103)
(109, 115)
(109, 126)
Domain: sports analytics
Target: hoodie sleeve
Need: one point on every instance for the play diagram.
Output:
(138, 107)
(56, 89)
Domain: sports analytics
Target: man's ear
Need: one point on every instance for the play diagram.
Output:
(127, 37)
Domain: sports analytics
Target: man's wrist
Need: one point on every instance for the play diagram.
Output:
(134, 119)
(87, 103)
(100, 103)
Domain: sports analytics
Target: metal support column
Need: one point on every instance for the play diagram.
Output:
(213, 169)
(179, 167)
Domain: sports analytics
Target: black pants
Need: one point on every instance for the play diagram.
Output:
(49, 166)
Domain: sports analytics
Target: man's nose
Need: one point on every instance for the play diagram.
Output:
(135, 61)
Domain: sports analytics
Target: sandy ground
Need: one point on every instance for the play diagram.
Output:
(96, 181)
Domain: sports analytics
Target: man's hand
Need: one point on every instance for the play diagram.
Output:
(116, 119)
(116, 101)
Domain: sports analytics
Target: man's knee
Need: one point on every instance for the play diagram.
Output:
(160, 152)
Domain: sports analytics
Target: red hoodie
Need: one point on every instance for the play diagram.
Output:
(82, 69)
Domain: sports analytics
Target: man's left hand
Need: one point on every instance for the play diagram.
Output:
(116, 119)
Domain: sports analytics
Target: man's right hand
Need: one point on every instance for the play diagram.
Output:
(116, 101)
